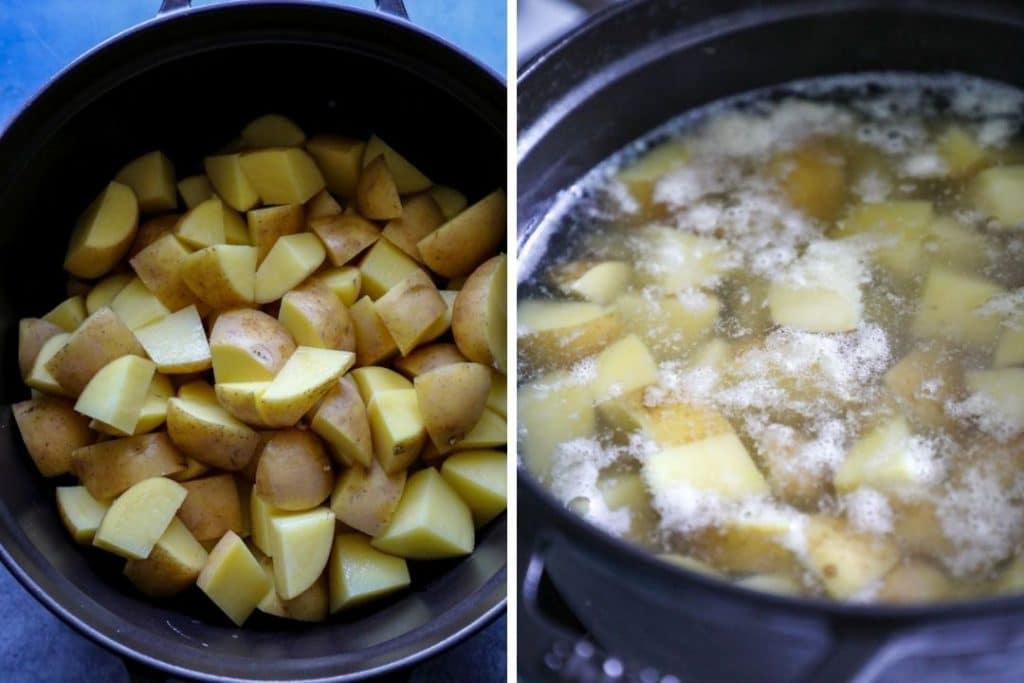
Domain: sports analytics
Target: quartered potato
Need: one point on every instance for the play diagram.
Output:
(225, 380)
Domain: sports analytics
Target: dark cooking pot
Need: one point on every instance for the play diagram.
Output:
(626, 71)
(185, 82)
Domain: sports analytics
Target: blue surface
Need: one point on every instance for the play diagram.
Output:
(37, 39)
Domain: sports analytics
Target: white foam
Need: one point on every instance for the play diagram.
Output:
(868, 511)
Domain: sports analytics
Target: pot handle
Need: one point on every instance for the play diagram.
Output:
(561, 653)
(395, 7)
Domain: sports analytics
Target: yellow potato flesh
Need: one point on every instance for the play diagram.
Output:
(999, 193)
(497, 397)
(340, 160)
(562, 332)
(230, 182)
(39, 377)
(136, 306)
(208, 433)
(345, 236)
(845, 561)
(301, 545)
(159, 268)
(431, 521)
(479, 317)
(177, 343)
(554, 409)
(222, 276)
(314, 316)
(103, 233)
(360, 573)
(420, 216)
(202, 226)
(322, 204)
(408, 178)
(490, 431)
(195, 190)
(372, 380)
(950, 305)
(467, 240)
(479, 477)
(383, 267)
(99, 340)
(272, 130)
(292, 259)
(233, 579)
(116, 393)
(282, 175)
(51, 430)
(622, 367)
(410, 310)
(376, 193)
(397, 428)
(449, 200)
(172, 566)
(197, 390)
(365, 498)
(68, 314)
(373, 341)
(248, 346)
(239, 399)
(266, 225)
(109, 468)
(151, 178)
(235, 229)
(80, 512)
(427, 358)
(105, 290)
(341, 421)
(139, 517)
(304, 379)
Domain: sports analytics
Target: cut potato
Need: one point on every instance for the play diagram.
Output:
(961, 152)
(427, 358)
(193, 470)
(248, 346)
(553, 410)
(33, 333)
(195, 190)
(1010, 350)
(641, 175)
(813, 178)
(821, 291)
(222, 276)
(301, 545)
(208, 433)
(479, 477)
(116, 393)
(600, 282)
(159, 267)
(105, 290)
(365, 498)
(449, 200)
(52, 431)
(479, 317)
(345, 282)
(410, 310)
(103, 233)
(408, 178)
(374, 343)
(420, 216)
(311, 605)
(558, 333)
(294, 472)
(151, 178)
(40, 378)
(177, 344)
(467, 240)
(109, 468)
(150, 232)
(172, 566)
(431, 521)
(383, 267)
(197, 390)
(80, 512)
(951, 308)
(230, 181)
(339, 159)
(239, 399)
(272, 130)
(202, 226)
(623, 367)
(999, 193)
(497, 396)
(887, 459)
(266, 225)
(101, 338)
(396, 425)
(137, 306)
(916, 581)
(719, 465)
(68, 314)
(673, 260)
(345, 236)
(282, 175)
(360, 573)
(923, 381)
(304, 379)
(669, 325)
(490, 431)
(844, 561)
(451, 401)
(751, 546)
(314, 316)
(139, 517)
(372, 380)
(233, 578)
(341, 421)
(292, 259)
(212, 507)
(1001, 392)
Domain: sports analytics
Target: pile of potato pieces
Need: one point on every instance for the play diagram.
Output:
(303, 476)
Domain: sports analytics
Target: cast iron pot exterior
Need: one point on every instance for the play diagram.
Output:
(625, 72)
(185, 83)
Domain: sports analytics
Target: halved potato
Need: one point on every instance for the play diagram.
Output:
(101, 338)
(301, 544)
(109, 468)
(304, 379)
(451, 401)
(116, 393)
(221, 276)
(202, 226)
(212, 507)
(479, 318)
(316, 317)
(365, 498)
(159, 268)
(467, 240)
(248, 346)
(294, 472)
(177, 344)
(208, 433)
(341, 421)
(68, 314)
(239, 399)
(345, 236)
(292, 259)
(139, 517)
(51, 430)
(151, 177)
(103, 233)
(266, 225)
(233, 578)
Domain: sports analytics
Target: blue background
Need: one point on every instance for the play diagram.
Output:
(37, 39)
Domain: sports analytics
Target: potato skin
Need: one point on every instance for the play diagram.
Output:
(255, 334)
(32, 334)
(51, 430)
(109, 468)
(427, 358)
(101, 338)
(294, 471)
(452, 399)
(470, 324)
(326, 314)
(212, 507)
(228, 447)
(366, 498)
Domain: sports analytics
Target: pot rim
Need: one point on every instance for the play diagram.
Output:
(597, 542)
(491, 595)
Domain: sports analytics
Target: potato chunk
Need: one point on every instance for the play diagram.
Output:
(431, 521)
(68, 314)
(383, 267)
(951, 308)
(345, 236)
(599, 282)
(449, 200)
(813, 178)
(39, 377)
(360, 573)
(103, 233)
(410, 310)
(292, 259)
(669, 325)
(304, 379)
(51, 430)
(376, 193)
(233, 578)
(212, 507)
(427, 358)
(674, 260)
(301, 545)
(451, 400)
(339, 159)
(552, 410)
(151, 177)
(923, 381)
(479, 316)
(177, 344)
(397, 428)
(139, 517)
(282, 175)
(999, 194)
(294, 472)
(33, 333)
(374, 343)
(272, 130)
(109, 468)
(316, 317)
(718, 465)
(562, 332)
(844, 561)
(172, 566)
(467, 240)
(888, 459)
(116, 393)
(1001, 395)
(345, 282)
(365, 498)
(105, 290)
(821, 291)
(230, 181)
(159, 268)
(248, 346)
(420, 217)
(101, 338)
(208, 433)
(266, 225)
(408, 178)
(479, 477)
(195, 190)
(622, 367)
(202, 226)
(341, 421)
(80, 512)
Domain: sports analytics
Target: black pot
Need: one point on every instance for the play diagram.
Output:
(628, 70)
(185, 83)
